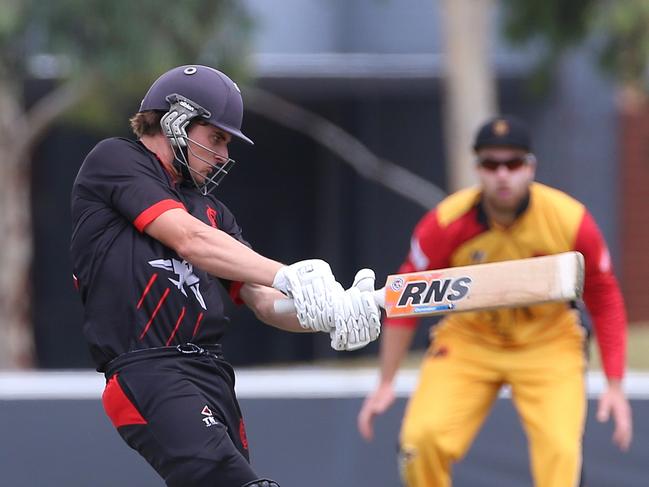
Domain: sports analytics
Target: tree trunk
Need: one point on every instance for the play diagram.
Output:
(470, 93)
(16, 345)
(19, 133)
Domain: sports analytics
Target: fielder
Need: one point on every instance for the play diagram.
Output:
(150, 246)
(539, 351)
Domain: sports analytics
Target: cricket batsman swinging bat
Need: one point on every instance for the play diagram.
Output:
(512, 283)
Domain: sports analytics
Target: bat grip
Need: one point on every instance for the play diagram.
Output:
(286, 306)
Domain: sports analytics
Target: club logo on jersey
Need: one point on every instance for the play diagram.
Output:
(478, 256)
(211, 216)
(209, 417)
(186, 277)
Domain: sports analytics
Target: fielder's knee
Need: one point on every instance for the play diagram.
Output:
(562, 450)
(428, 439)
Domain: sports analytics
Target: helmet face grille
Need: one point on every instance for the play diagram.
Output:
(181, 111)
(174, 126)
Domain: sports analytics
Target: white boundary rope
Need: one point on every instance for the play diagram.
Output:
(263, 383)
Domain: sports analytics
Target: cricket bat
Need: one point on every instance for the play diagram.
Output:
(511, 283)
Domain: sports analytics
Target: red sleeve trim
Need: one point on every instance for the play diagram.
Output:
(603, 298)
(401, 322)
(235, 290)
(118, 407)
(154, 211)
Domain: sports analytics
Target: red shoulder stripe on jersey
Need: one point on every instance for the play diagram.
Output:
(154, 211)
(118, 407)
(197, 325)
(146, 290)
(603, 298)
(438, 243)
(155, 312)
(178, 322)
(235, 289)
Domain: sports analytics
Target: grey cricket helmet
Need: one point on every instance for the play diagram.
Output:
(210, 89)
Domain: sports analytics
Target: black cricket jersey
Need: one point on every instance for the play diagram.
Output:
(137, 293)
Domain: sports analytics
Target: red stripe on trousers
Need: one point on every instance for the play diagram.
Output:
(118, 407)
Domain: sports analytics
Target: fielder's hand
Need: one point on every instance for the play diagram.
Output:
(614, 403)
(357, 316)
(375, 404)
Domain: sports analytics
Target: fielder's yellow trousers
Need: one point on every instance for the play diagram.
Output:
(459, 382)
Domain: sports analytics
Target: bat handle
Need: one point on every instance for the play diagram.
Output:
(286, 306)
(379, 297)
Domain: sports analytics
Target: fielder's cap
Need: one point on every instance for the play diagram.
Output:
(506, 131)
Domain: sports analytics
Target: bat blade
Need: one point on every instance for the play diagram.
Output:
(522, 282)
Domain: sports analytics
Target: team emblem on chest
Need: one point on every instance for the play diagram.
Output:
(186, 277)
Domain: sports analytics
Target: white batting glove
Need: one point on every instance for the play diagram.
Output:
(313, 288)
(357, 317)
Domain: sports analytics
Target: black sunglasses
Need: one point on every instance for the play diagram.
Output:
(511, 164)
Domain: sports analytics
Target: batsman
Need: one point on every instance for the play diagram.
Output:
(151, 248)
(538, 351)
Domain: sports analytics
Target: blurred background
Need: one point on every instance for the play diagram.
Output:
(362, 113)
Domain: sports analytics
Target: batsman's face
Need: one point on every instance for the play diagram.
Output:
(505, 174)
(208, 149)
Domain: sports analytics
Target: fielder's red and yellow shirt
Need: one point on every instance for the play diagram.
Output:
(457, 232)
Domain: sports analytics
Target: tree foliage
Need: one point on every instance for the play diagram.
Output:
(626, 52)
(102, 53)
(119, 45)
(621, 28)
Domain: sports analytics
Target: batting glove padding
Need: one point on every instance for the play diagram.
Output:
(357, 316)
(314, 290)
